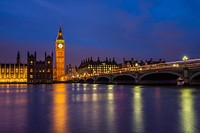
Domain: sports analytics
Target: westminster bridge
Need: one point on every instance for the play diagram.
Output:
(164, 73)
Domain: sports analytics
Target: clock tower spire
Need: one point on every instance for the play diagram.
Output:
(60, 36)
(60, 56)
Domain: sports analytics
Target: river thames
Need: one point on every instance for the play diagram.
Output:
(93, 108)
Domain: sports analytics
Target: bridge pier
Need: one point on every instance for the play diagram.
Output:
(186, 76)
(136, 78)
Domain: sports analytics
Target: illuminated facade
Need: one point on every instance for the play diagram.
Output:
(13, 73)
(60, 57)
(39, 71)
(89, 67)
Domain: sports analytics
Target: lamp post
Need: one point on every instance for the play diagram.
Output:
(185, 70)
(136, 65)
(185, 58)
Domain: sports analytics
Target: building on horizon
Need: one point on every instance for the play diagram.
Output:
(59, 70)
(89, 67)
(71, 71)
(13, 72)
(39, 71)
(135, 63)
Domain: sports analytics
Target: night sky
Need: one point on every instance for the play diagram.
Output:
(141, 29)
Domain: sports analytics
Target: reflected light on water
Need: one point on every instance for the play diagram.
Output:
(60, 108)
(94, 86)
(110, 108)
(187, 112)
(94, 97)
(13, 85)
(84, 87)
(94, 94)
(110, 87)
(137, 109)
(110, 92)
(13, 88)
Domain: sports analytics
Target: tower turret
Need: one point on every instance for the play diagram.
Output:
(18, 58)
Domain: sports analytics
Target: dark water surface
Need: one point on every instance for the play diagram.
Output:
(86, 108)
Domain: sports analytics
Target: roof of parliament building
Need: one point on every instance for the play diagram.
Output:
(89, 61)
(7, 65)
(18, 63)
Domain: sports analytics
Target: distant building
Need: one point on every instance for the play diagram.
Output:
(39, 71)
(71, 71)
(134, 63)
(13, 72)
(151, 61)
(90, 67)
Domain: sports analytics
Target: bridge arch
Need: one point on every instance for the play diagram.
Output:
(195, 78)
(123, 79)
(166, 77)
(102, 80)
(81, 81)
(90, 80)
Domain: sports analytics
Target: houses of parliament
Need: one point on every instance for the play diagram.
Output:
(35, 71)
(44, 71)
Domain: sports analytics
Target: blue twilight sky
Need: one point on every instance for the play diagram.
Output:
(141, 29)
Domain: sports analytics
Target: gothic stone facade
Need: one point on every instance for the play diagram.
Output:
(39, 71)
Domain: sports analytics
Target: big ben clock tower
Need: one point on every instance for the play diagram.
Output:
(60, 56)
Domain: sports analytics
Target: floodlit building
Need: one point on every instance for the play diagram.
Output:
(13, 72)
(89, 67)
(59, 74)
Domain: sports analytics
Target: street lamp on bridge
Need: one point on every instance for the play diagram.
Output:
(136, 65)
(185, 58)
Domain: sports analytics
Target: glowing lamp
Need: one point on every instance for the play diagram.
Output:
(185, 58)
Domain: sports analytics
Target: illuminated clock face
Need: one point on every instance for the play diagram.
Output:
(60, 45)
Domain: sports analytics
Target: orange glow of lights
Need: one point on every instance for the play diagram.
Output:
(60, 108)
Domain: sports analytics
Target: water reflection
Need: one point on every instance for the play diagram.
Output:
(95, 107)
(98, 108)
(187, 111)
(110, 109)
(60, 108)
(85, 86)
(94, 86)
(158, 107)
(13, 111)
(94, 92)
(110, 95)
(13, 88)
(137, 110)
